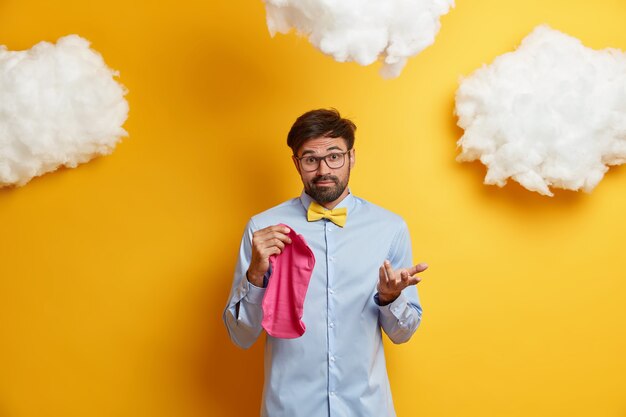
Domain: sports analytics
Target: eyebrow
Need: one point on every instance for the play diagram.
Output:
(332, 148)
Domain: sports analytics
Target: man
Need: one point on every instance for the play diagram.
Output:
(363, 280)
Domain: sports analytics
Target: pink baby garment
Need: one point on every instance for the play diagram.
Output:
(283, 302)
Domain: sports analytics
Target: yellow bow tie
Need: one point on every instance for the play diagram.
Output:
(317, 212)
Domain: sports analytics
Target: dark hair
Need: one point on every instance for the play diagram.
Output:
(326, 123)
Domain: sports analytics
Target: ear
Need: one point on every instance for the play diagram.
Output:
(295, 162)
(352, 156)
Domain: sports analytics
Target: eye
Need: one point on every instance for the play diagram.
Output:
(334, 156)
(310, 160)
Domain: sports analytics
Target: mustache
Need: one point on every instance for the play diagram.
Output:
(325, 178)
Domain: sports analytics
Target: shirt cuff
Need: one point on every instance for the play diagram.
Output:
(254, 294)
(396, 307)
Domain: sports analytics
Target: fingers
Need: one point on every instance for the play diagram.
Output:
(400, 279)
(389, 283)
(391, 277)
(270, 237)
(411, 274)
(421, 267)
(388, 277)
(271, 234)
(265, 243)
(414, 280)
(383, 279)
(404, 278)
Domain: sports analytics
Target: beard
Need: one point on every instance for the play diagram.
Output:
(326, 194)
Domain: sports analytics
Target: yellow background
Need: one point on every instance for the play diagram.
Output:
(113, 276)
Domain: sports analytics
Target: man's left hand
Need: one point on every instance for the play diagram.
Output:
(391, 283)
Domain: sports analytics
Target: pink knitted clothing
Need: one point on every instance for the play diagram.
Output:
(283, 302)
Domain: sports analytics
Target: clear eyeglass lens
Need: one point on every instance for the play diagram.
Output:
(335, 160)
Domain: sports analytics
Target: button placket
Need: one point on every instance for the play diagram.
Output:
(332, 371)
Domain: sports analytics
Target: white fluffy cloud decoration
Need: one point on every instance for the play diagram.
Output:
(59, 106)
(550, 114)
(362, 30)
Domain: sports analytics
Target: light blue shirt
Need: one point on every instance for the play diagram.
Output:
(337, 368)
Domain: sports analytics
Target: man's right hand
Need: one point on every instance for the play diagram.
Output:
(266, 242)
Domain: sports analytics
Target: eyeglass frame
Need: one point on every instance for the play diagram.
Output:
(319, 160)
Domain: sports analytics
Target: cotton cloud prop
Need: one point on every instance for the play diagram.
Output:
(362, 30)
(59, 106)
(551, 114)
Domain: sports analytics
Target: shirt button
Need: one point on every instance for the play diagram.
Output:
(331, 259)
(332, 393)
(331, 291)
(332, 359)
(331, 325)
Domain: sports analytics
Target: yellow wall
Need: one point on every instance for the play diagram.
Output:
(113, 276)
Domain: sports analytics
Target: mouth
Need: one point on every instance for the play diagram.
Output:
(324, 182)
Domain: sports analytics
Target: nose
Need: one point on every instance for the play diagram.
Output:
(323, 168)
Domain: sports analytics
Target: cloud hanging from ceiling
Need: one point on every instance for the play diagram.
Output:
(550, 114)
(60, 105)
(362, 31)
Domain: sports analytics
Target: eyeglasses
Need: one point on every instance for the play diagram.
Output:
(334, 160)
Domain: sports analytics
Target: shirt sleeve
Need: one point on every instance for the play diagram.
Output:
(400, 318)
(243, 313)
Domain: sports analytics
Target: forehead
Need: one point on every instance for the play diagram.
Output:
(322, 145)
